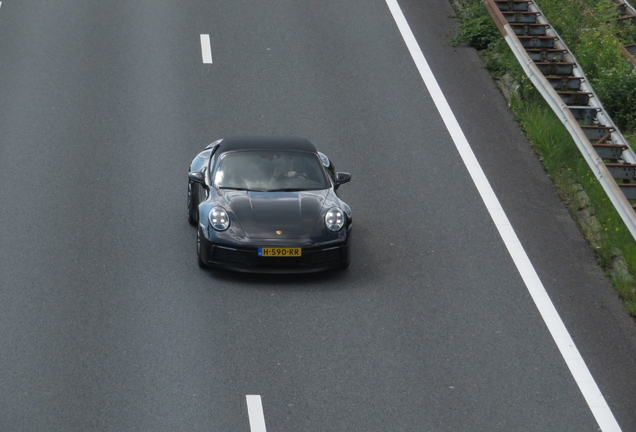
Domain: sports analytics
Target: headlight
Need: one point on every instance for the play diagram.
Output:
(334, 219)
(219, 219)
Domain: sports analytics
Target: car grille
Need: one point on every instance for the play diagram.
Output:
(326, 256)
(222, 255)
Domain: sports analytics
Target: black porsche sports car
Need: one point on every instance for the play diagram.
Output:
(268, 204)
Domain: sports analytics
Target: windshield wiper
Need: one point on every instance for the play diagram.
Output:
(234, 188)
(286, 190)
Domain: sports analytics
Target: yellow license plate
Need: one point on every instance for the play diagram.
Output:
(280, 252)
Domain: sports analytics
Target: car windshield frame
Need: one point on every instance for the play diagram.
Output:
(270, 170)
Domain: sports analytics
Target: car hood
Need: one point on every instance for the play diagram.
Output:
(264, 214)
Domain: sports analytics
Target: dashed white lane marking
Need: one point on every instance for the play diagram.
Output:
(206, 49)
(561, 336)
(255, 412)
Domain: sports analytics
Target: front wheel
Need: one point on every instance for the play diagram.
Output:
(200, 261)
(192, 204)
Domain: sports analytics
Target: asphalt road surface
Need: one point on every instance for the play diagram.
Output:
(108, 324)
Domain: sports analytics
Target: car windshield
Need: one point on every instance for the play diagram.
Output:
(270, 171)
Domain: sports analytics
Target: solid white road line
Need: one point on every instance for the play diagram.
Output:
(206, 49)
(255, 412)
(561, 336)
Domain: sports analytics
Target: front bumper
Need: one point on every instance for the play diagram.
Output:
(246, 259)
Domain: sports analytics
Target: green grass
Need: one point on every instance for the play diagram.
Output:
(586, 27)
(590, 30)
(631, 139)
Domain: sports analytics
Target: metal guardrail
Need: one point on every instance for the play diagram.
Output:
(554, 71)
(627, 12)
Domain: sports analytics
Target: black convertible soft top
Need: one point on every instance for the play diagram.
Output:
(266, 142)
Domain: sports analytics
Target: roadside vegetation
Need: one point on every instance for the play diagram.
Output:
(592, 33)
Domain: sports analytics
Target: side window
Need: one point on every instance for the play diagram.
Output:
(213, 158)
(328, 165)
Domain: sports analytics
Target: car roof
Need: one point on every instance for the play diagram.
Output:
(265, 142)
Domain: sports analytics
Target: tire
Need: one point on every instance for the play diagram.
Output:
(192, 206)
(200, 261)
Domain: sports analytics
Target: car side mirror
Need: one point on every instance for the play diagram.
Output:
(342, 178)
(197, 177)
